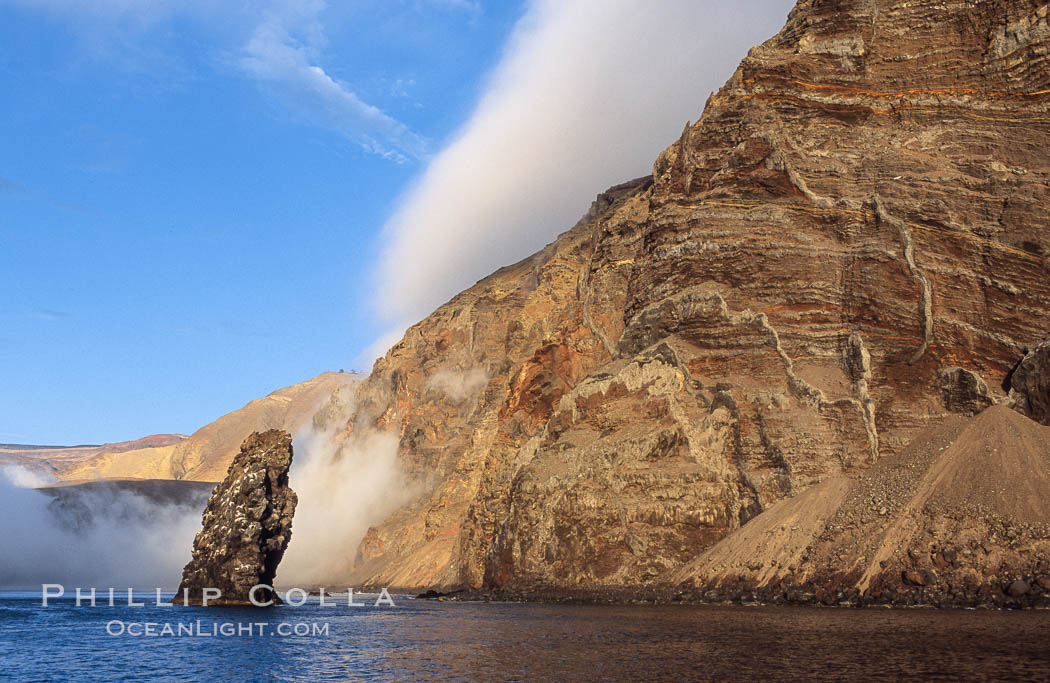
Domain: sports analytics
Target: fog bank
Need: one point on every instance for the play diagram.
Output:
(103, 538)
(586, 95)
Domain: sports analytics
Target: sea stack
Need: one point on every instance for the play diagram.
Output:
(246, 527)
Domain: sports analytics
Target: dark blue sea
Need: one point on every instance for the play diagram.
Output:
(418, 640)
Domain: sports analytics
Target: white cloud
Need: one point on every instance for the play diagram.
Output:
(274, 56)
(25, 478)
(380, 346)
(345, 485)
(458, 384)
(586, 95)
(279, 43)
(49, 315)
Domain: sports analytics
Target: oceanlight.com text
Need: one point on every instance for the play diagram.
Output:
(224, 629)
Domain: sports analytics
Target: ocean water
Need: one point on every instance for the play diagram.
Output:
(420, 640)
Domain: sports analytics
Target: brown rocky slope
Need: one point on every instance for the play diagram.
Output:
(961, 517)
(848, 247)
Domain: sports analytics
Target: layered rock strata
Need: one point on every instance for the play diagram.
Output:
(847, 249)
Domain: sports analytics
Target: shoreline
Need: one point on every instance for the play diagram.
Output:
(805, 595)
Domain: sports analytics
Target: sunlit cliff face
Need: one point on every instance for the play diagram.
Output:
(584, 94)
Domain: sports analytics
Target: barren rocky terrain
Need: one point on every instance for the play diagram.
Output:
(960, 517)
(847, 252)
(50, 459)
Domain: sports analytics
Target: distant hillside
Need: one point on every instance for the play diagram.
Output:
(157, 491)
(51, 458)
(205, 455)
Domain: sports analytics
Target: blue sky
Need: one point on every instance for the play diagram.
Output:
(203, 201)
(177, 237)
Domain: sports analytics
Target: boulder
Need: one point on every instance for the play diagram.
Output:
(1018, 589)
(963, 391)
(913, 578)
(1030, 384)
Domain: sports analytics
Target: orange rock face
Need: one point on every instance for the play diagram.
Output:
(860, 213)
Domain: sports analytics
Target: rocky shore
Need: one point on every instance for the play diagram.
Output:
(1026, 593)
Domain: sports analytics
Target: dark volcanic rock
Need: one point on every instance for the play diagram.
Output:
(1030, 384)
(963, 391)
(1018, 589)
(913, 578)
(247, 525)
